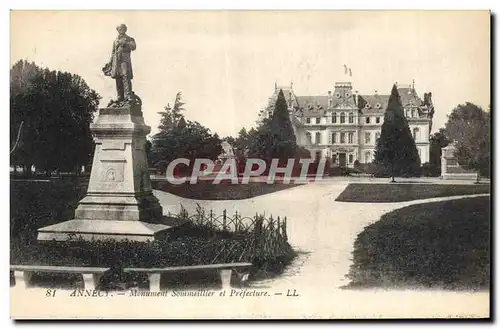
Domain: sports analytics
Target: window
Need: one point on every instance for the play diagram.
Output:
(308, 120)
(334, 118)
(318, 120)
(351, 117)
(350, 138)
(377, 137)
(351, 158)
(308, 138)
(412, 113)
(416, 134)
(368, 157)
(367, 119)
(342, 117)
(377, 119)
(318, 138)
(342, 138)
(367, 138)
(334, 138)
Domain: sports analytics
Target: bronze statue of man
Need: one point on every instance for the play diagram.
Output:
(120, 65)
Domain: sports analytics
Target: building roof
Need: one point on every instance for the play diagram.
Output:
(378, 103)
(373, 103)
(313, 106)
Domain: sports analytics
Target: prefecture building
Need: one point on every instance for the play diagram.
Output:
(344, 125)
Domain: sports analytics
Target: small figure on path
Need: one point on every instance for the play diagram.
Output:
(120, 67)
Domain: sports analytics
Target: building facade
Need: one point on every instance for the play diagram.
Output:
(344, 126)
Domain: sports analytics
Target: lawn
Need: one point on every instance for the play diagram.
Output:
(205, 190)
(434, 245)
(406, 192)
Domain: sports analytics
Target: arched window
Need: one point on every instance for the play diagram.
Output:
(350, 138)
(416, 134)
(342, 117)
(318, 138)
(308, 138)
(351, 117)
(368, 157)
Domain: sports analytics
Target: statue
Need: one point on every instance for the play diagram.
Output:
(119, 68)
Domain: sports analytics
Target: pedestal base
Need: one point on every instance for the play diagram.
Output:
(88, 229)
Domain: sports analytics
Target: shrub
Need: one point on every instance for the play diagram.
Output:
(431, 170)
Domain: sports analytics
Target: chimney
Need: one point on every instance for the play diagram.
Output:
(356, 98)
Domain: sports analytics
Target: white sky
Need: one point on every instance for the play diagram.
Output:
(226, 63)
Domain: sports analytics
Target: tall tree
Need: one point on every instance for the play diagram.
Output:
(170, 116)
(181, 138)
(275, 138)
(57, 109)
(396, 153)
(469, 127)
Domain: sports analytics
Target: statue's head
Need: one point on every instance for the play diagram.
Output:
(122, 28)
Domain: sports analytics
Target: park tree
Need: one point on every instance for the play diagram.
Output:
(396, 153)
(275, 138)
(181, 138)
(170, 116)
(437, 141)
(469, 127)
(56, 109)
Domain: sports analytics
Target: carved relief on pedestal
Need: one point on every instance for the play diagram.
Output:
(112, 172)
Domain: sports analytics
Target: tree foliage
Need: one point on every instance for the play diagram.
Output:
(275, 138)
(57, 109)
(469, 127)
(170, 116)
(436, 143)
(396, 153)
(181, 138)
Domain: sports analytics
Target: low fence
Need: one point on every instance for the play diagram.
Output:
(265, 236)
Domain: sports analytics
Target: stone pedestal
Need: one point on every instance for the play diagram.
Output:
(119, 203)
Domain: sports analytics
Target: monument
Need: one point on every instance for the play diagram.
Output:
(119, 203)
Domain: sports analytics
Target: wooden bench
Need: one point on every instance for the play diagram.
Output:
(225, 271)
(91, 275)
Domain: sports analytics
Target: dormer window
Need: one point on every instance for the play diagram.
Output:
(367, 106)
(338, 95)
(347, 95)
(378, 105)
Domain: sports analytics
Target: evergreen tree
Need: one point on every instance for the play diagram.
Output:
(170, 116)
(396, 153)
(181, 138)
(275, 138)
